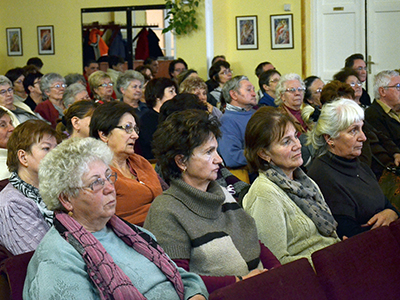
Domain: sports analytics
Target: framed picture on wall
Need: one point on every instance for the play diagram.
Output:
(14, 41)
(45, 40)
(246, 33)
(282, 31)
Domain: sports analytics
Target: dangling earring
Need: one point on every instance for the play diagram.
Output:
(70, 213)
(184, 169)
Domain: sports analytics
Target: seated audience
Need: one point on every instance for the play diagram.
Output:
(116, 125)
(19, 109)
(24, 217)
(267, 82)
(336, 89)
(90, 253)
(145, 70)
(382, 114)
(219, 74)
(349, 76)
(158, 91)
(176, 67)
(101, 86)
(312, 97)
(186, 74)
(6, 128)
(357, 63)
(153, 64)
(116, 69)
(76, 120)
(75, 92)
(130, 85)
(197, 86)
(32, 89)
(348, 185)
(289, 98)
(17, 77)
(196, 221)
(90, 66)
(241, 97)
(283, 196)
(53, 88)
(35, 61)
(218, 58)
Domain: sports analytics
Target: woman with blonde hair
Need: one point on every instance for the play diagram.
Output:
(101, 86)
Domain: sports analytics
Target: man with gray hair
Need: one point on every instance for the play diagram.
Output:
(240, 97)
(382, 114)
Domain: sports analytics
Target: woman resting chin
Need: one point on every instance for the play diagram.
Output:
(90, 253)
(349, 186)
(196, 221)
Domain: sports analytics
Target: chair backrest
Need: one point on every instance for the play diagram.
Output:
(14, 269)
(366, 266)
(293, 281)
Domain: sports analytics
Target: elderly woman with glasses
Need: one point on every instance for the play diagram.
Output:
(219, 73)
(349, 186)
(75, 92)
(289, 97)
(24, 218)
(115, 124)
(130, 85)
(90, 253)
(349, 76)
(18, 109)
(6, 128)
(101, 86)
(53, 87)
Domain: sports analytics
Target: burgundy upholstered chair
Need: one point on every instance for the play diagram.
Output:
(293, 281)
(365, 266)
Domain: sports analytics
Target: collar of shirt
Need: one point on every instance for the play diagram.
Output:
(234, 108)
(388, 110)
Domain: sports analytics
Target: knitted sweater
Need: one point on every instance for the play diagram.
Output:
(134, 197)
(282, 226)
(22, 225)
(209, 228)
(231, 144)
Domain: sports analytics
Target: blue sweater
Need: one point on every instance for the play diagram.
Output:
(231, 144)
(267, 100)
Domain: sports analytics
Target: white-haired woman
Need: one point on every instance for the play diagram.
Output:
(90, 253)
(130, 84)
(289, 97)
(53, 87)
(349, 186)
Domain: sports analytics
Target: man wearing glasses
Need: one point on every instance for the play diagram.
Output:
(357, 63)
(382, 114)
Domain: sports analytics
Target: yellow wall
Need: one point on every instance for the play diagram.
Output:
(66, 18)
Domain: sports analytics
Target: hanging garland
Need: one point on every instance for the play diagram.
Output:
(181, 16)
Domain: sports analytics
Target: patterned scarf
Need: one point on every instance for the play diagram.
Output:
(31, 192)
(305, 194)
(109, 279)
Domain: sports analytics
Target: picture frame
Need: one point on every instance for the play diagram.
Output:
(246, 33)
(45, 40)
(14, 41)
(282, 32)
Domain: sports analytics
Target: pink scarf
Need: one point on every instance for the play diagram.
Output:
(109, 279)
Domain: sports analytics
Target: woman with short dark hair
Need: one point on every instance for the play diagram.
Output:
(198, 222)
(158, 91)
(115, 123)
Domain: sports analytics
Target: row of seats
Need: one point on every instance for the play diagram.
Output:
(366, 266)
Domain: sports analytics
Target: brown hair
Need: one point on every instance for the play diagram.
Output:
(23, 137)
(190, 84)
(267, 125)
(336, 89)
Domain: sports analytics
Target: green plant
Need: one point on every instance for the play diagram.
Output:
(181, 16)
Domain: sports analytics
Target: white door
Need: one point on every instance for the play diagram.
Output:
(383, 37)
(339, 32)
(344, 27)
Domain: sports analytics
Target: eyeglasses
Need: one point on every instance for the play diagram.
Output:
(18, 81)
(9, 90)
(106, 84)
(226, 72)
(99, 183)
(353, 84)
(294, 90)
(318, 91)
(129, 128)
(59, 86)
(361, 68)
(274, 80)
(396, 86)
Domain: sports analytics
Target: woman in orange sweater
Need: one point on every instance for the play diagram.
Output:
(138, 184)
